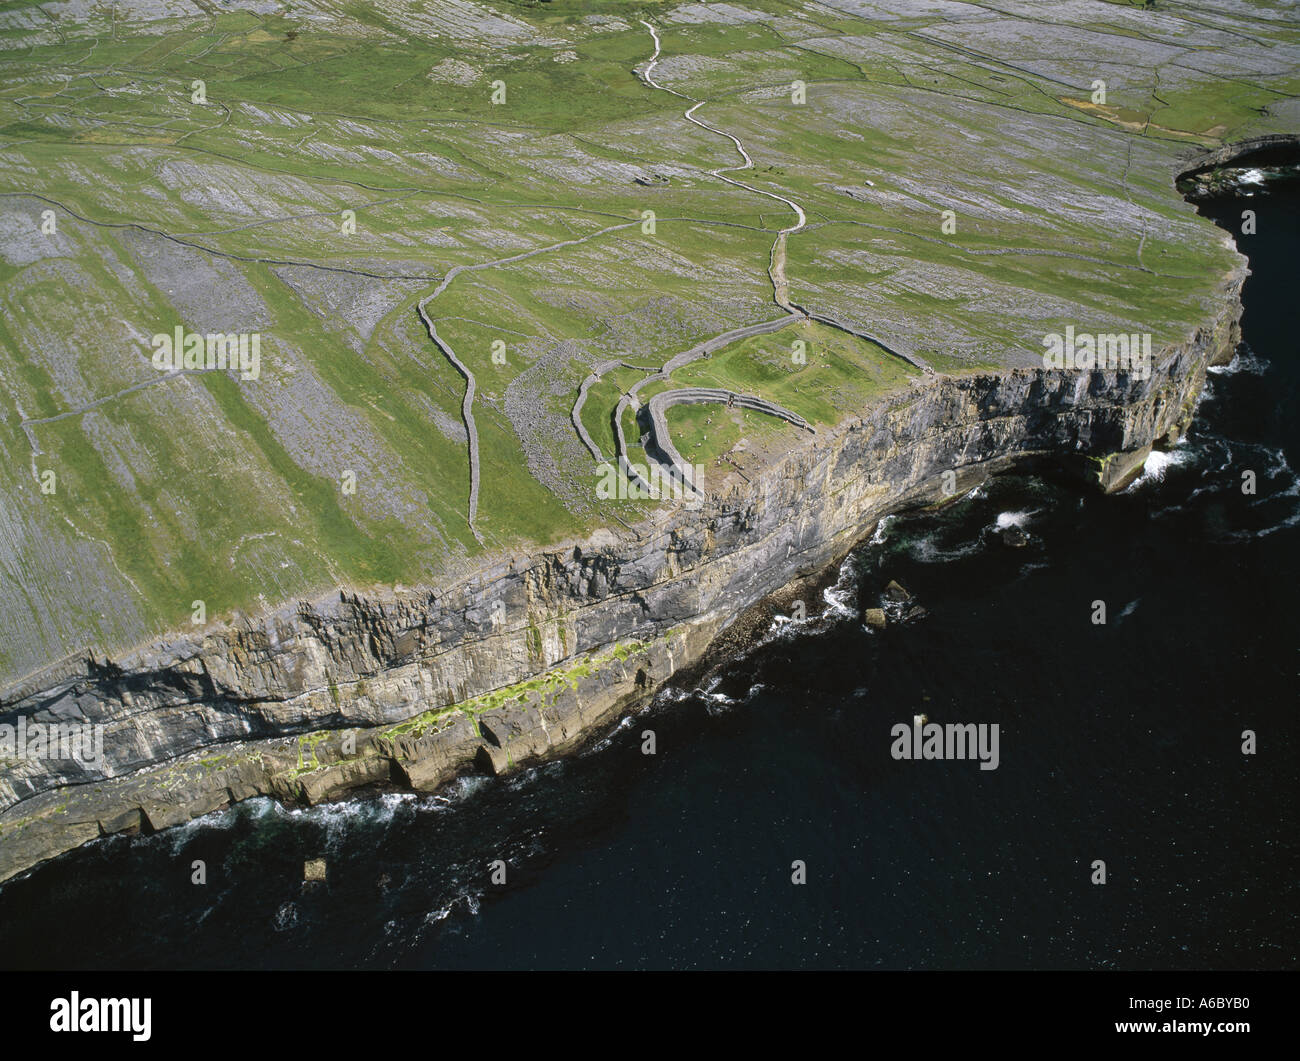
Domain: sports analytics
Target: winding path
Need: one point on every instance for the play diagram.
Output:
(467, 404)
(661, 441)
(776, 260)
(576, 415)
(630, 400)
(664, 400)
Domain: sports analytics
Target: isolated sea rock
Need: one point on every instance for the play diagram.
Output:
(895, 593)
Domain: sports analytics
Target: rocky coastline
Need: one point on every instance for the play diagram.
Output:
(532, 655)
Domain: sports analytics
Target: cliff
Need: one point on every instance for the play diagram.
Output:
(528, 657)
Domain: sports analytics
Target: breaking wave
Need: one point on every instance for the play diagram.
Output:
(1245, 360)
(1012, 519)
(927, 550)
(1157, 465)
(841, 598)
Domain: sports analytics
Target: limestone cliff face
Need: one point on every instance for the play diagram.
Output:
(522, 660)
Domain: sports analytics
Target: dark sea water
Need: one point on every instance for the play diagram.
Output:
(1119, 742)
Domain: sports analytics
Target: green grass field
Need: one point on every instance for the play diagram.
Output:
(346, 462)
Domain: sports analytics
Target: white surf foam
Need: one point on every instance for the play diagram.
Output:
(1157, 465)
(841, 598)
